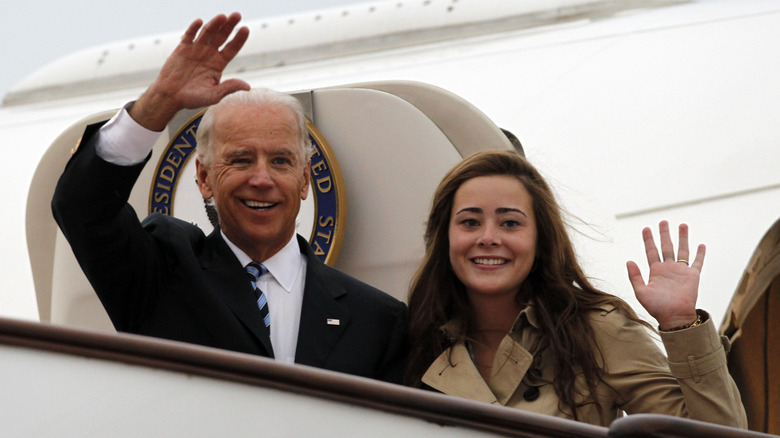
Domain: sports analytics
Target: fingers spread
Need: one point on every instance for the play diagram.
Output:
(635, 277)
(189, 34)
(682, 252)
(231, 48)
(698, 263)
(667, 248)
(231, 86)
(211, 29)
(650, 250)
(232, 20)
(634, 274)
(223, 32)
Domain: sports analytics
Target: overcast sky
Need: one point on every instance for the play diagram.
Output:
(36, 32)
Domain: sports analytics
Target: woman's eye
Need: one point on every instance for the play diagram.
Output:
(511, 223)
(469, 222)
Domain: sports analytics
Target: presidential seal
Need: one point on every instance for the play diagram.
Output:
(174, 191)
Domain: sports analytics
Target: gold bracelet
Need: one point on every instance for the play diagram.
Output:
(696, 323)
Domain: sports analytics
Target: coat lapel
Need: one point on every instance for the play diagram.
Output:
(510, 365)
(461, 378)
(228, 278)
(456, 375)
(323, 319)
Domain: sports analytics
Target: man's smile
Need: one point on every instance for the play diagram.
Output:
(258, 205)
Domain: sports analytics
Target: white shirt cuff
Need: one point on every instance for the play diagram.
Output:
(124, 142)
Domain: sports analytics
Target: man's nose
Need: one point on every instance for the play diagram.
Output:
(261, 176)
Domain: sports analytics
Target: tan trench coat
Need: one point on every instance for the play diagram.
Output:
(693, 383)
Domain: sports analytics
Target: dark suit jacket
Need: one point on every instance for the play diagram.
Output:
(165, 278)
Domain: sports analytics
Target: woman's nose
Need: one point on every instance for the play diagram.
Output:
(489, 236)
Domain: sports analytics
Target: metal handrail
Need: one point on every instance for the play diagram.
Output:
(328, 385)
(299, 379)
(664, 426)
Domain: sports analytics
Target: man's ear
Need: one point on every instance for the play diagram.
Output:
(306, 180)
(202, 172)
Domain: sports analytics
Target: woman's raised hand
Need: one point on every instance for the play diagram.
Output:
(673, 284)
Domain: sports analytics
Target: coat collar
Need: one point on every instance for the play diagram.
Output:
(455, 373)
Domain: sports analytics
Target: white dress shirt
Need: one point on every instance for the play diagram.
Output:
(124, 142)
(283, 287)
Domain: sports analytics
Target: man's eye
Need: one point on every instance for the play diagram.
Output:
(281, 161)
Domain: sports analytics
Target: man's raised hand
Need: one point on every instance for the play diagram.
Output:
(192, 75)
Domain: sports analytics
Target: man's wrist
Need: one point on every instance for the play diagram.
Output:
(153, 110)
(122, 141)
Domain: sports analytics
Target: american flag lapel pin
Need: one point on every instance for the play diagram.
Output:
(333, 321)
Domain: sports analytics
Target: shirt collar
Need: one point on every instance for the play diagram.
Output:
(284, 265)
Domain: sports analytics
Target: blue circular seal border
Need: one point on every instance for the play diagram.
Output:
(327, 185)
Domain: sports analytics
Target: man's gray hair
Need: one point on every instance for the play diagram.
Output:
(253, 97)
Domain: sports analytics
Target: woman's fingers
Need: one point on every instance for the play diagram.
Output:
(667, 248)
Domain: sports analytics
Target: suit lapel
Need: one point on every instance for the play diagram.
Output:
(323, 319)
(228, 279)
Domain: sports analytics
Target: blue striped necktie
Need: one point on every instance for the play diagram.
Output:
(254, 270)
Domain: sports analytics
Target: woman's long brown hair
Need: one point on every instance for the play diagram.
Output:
(561, 292)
